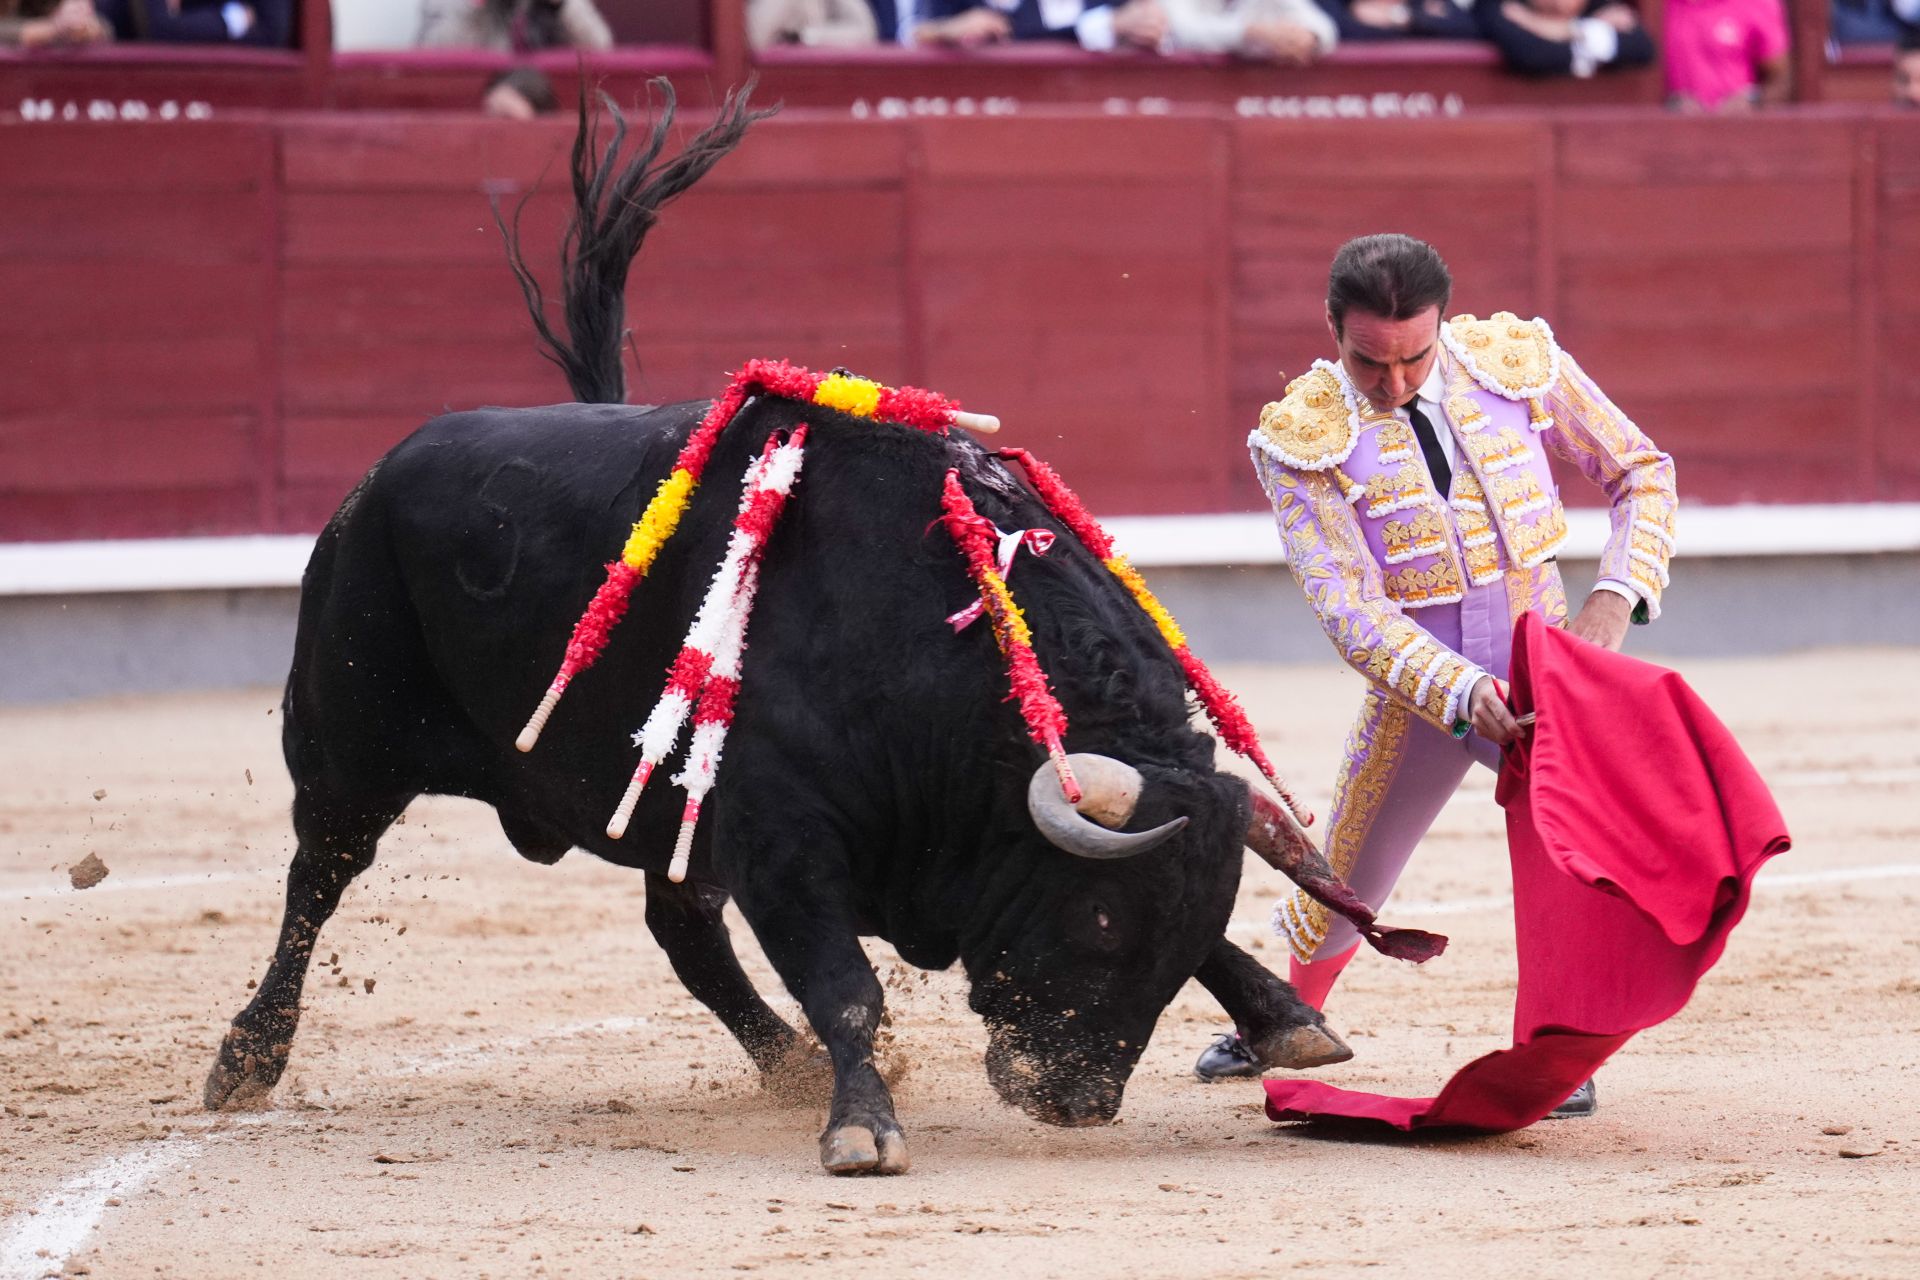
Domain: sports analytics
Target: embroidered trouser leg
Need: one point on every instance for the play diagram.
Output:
(1398, 774)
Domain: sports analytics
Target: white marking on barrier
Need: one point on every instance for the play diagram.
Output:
(262, 561)
(1500, 902)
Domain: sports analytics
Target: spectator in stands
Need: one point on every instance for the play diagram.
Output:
(1392, 19)
(1867, 21)
(1906, 68)
(1726, 55)
(1294, 32)
(520, 94)
(1094, 24)
(45, 24)
(817, 23)
(1564, 37)
(255, 22)
(513, 26)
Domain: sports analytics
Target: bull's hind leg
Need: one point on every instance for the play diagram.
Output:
(336, 843)
(686, 921)
(1279, 1028)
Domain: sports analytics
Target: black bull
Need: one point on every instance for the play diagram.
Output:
(874, 782)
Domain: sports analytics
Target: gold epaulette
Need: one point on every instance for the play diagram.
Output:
(1514, 358)
(1312, 427)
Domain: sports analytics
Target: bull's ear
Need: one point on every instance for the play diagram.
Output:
(1110, 790)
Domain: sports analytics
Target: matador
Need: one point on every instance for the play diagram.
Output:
(1418, 513)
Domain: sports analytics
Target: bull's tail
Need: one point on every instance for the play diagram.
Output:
(615, 205)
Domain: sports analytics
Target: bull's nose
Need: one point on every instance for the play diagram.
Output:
(1086, 1119)
(1081, 1108)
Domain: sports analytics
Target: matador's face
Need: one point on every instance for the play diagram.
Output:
(1387, 360)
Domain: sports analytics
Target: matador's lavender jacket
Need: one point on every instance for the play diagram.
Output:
(1407, 581)
(1372, 542)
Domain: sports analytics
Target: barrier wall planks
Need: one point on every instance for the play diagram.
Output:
(215, 327)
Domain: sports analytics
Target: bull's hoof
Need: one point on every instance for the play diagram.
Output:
(243, 1074)
(853, 1148)
(1298, 1048)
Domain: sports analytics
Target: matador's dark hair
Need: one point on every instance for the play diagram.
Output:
(1394, 276)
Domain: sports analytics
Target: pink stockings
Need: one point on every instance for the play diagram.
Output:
(1315, 979)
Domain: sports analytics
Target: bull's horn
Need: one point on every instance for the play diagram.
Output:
(1110, 790)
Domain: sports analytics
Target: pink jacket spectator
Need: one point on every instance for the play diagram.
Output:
(1715, 47)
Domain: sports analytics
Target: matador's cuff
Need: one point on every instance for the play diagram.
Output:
(1432, 678)
(1641, 615)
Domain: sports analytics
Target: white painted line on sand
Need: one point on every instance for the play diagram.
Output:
(465, 1055)
(1849, 777)
(1500, 902)
(39, 1241)
(51, 890)
(1787, 879)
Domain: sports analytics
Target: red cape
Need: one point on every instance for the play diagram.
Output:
(1635, 825)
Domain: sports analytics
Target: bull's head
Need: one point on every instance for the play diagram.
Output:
(1089, 953)
(1075, 994)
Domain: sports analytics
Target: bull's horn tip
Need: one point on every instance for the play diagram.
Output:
(984, 424)
(527, 738)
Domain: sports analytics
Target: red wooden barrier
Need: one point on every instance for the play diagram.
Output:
(214, 327)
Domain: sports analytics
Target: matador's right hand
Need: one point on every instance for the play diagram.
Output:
(1487, 710)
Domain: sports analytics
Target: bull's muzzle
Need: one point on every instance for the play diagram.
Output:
(1091, 829)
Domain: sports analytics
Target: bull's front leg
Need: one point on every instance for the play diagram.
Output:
(811, 941)
(687, 922)
(1279, 1028)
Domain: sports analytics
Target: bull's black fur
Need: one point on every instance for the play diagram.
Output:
(874, 779)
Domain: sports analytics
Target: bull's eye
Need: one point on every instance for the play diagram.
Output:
(1098, 925)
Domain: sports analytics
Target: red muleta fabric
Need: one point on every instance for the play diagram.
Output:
(1635, 826)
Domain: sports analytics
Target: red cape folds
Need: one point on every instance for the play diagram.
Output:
(1635, 824)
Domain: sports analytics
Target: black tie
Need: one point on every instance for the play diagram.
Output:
(1430, 446)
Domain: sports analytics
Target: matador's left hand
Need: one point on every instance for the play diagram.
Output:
(1603, 620)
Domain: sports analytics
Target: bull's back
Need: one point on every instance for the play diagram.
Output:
(448, 577)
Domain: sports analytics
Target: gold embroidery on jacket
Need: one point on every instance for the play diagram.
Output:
(1396, 442)
(1374, 747)
(1475, 527)
(1313, 425)
(1509, 356)
(1519, 495)
(1532, 544)
(1421, 535)
(1392, 491)
(1465, 411)
(1437, 585)
(1501, 450)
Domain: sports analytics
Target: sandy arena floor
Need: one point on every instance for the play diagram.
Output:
(499, 1076)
